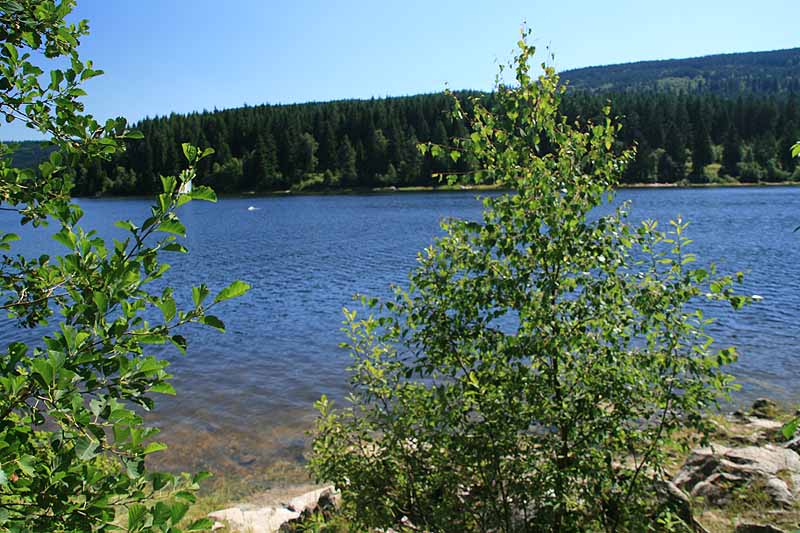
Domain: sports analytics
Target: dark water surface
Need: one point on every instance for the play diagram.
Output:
(245, 397)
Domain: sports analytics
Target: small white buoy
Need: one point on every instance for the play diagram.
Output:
(251, 208)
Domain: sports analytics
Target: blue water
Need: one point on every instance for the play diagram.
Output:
(244, 397)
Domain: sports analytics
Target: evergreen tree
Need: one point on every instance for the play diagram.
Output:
(731, 154)
(307, 154)
(702, 153)
(259, 168)
(327, 147)
(675, 150)
(347, 162)
(671, 123)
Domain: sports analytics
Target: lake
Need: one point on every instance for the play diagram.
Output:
(245, 397)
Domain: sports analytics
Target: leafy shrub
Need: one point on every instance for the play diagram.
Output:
(541, 358)
(72, 447)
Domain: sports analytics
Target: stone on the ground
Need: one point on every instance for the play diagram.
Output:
(269, 519)
(750, 430)
(779, 491)
(258, 520)
(764, 408)
(757, 528)
(711, 472)
(309, 501)
(793, 444)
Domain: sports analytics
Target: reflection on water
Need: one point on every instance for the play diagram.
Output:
(245, 398)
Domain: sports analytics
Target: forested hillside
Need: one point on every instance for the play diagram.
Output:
(29, 153)
(692, 135)
(372, 143)
(725, 74)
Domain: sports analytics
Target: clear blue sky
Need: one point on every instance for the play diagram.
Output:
(163, 56)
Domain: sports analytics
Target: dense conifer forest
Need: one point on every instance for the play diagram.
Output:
(728, 118)
(724, 74)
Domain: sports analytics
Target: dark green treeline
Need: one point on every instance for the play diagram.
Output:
(372, 143)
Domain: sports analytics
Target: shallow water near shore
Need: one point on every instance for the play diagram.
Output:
(245, 397)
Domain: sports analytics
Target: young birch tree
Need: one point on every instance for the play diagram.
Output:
(541, 359)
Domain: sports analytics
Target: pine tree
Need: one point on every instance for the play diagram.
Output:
(731, 154)
(675, 149)
(347, 162)
(307, 154)
(702, 153)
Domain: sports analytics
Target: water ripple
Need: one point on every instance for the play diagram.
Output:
(248, 393)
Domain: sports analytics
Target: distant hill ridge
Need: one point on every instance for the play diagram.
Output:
(722, 119)
(771, 72)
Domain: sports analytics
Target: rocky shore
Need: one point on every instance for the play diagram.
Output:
(745, 480)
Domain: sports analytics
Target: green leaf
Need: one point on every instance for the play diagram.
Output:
(204, 193)
(168, 308)
(237, 288)
(125, 224)
(168, 184)
(190, 152)
(796, 150)
(151, 338)
(100, 301)
(175, 247)
(45, 369)
(790, 428)
(180, 342)
(85, 448)
(201, 476)
(214, 322)
(154, 447)
(12, 51)
(173, 226)
(163, 388)
(3, 478)
(199, 294)
(203, 524)
(136, 516)
(66, 238)
(178, 511)
(26, 463)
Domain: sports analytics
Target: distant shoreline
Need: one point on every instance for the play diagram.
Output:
(467, 188)
(454, 188)
(707, 185)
